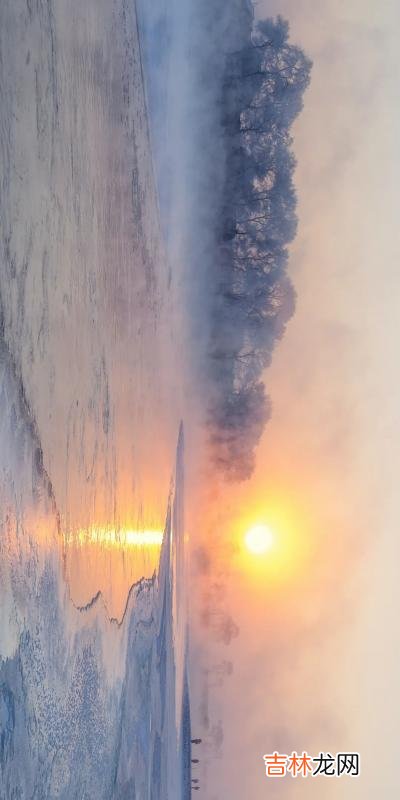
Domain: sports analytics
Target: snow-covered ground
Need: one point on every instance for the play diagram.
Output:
(93, 676)
(88, 302)
(89, 707)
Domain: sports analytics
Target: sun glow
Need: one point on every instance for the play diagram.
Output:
(259, 540)
(272, 539)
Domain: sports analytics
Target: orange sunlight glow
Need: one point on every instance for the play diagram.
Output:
(109, 537)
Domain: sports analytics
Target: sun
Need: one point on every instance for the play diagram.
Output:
(259, 540)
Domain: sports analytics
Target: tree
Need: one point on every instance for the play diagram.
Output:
(262, 93)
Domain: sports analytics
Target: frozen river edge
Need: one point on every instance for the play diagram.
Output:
(89, 707)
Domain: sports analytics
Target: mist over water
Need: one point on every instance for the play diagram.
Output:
(223, 94)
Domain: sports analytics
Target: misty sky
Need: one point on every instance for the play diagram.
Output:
(316, 664)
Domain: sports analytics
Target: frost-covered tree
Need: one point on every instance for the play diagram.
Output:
(262, 94)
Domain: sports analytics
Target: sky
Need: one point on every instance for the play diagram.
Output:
(318, 654)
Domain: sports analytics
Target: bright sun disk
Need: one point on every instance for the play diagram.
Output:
(259, 539)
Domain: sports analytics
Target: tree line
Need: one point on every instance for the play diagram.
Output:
(262, 93)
